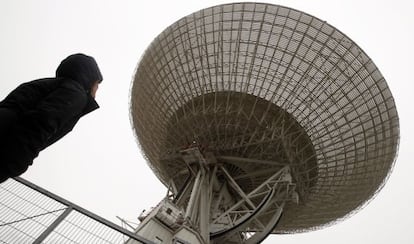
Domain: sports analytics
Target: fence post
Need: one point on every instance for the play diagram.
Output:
(52, 227)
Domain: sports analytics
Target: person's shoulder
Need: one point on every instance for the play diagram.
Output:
(55, 81)
(43, 82)
(48, 85)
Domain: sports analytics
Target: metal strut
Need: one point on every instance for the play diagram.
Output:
(245, 220)
(273, 192)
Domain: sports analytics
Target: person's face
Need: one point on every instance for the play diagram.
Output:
(94, 88)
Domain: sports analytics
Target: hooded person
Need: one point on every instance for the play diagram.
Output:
(38, 113)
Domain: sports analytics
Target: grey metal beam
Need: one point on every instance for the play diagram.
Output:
(249, 160)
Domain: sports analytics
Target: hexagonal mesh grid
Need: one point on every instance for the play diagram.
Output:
(232, 76)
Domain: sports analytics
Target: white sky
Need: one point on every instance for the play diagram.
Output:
(99, 166)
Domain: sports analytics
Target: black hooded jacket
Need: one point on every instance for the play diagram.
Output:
(38, 113)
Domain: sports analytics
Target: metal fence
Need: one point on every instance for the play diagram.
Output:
(30, 214)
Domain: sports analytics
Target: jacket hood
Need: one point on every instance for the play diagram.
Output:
(81, 68)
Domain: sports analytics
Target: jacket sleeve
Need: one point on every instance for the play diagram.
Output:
(39, 124)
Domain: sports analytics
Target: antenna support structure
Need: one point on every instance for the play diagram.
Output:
(213, 208)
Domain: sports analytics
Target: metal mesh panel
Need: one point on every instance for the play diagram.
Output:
(204, 80)
(27, 214)
(23, 219)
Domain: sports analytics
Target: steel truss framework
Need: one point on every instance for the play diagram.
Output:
(261, 87)
(221, 211)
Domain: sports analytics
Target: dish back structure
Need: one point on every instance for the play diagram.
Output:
(260, 87)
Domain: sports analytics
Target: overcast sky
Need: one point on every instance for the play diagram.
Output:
(99, 166)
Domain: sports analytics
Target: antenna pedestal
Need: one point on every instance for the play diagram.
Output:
(213, 208)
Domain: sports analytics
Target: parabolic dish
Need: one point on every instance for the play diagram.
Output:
(261, 86)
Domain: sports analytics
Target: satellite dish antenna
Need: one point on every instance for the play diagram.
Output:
(260, 119)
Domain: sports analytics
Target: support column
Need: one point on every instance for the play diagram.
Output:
(193, 197)
(204, 210)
